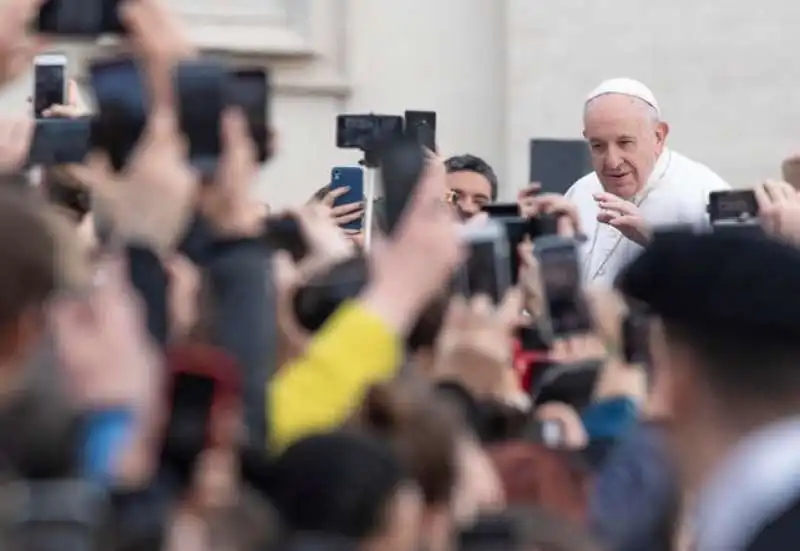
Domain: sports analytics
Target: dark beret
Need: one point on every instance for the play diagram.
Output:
(742, 281)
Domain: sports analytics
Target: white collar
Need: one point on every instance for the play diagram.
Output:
(759, 479)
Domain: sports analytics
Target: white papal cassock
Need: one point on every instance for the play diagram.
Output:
(676, 194)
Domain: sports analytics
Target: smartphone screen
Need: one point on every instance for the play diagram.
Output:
(122, 111)
(188, 426)
(351, 177)
(732, 205)
(487, 266)
(49, 82)
(250, 91)
(560, 271)
(636, 338)
(501, 210)
(202, 94)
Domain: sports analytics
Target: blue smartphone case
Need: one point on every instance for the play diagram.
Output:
(351, 177)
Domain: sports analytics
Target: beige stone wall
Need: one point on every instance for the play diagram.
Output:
(502, 71)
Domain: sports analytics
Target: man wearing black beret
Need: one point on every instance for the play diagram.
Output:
(725, 345)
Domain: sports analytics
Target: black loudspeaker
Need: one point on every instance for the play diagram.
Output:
(557, 164)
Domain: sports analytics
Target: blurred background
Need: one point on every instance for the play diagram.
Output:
(500, 72)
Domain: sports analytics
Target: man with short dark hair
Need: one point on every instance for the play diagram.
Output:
(472, 182)
(726, 357)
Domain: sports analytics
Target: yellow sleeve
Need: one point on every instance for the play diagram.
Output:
(317, 392)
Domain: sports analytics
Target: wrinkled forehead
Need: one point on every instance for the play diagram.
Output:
(617, 113)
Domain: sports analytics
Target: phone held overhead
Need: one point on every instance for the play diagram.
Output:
(55, 140)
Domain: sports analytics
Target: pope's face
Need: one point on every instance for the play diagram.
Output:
(625, 141)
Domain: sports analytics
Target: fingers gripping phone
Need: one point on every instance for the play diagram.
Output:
(559, 266)
(49, 82)
(351, 177)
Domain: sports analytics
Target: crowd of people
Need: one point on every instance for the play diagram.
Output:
(179, 371)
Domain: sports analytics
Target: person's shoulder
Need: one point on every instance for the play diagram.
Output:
(698, 175)
(585, 184)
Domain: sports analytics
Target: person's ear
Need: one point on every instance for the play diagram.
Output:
(662, 131)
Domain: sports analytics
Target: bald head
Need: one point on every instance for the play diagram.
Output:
(626, 137)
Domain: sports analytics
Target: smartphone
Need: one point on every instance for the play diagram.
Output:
(202, 88)
(250, 90)
(49, 77)
(559, 265)
(636, 338)
(557, 164)
(502, 210)
(367, 132)
(421, 127)
(351, 177)
(738, 205)
(85, 18)
(60, 141)
(203, 380)
(486, 271)
(571, 383)
(121, 108)
(402, 164)
(283, 233)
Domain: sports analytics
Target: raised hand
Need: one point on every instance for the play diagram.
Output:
(624, 216)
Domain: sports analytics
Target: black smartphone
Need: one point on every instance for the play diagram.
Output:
(402, 164)
(502, 210)
(192, 400)
(250, 90)
(60, 141)
(421, 127)
(283, 233)
(49, 77)
(121, 108)
(557, 164)
(571, 383)
(559, 265)
(367, 132)
(636, 338)
(738, 205)
(202, 91)
(486, 271)
(80, 18)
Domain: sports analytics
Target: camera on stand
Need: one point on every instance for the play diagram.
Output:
(390, 138)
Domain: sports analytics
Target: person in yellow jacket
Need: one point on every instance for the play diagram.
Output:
(362, 342)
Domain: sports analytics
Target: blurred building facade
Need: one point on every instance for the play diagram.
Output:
(500, 72)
